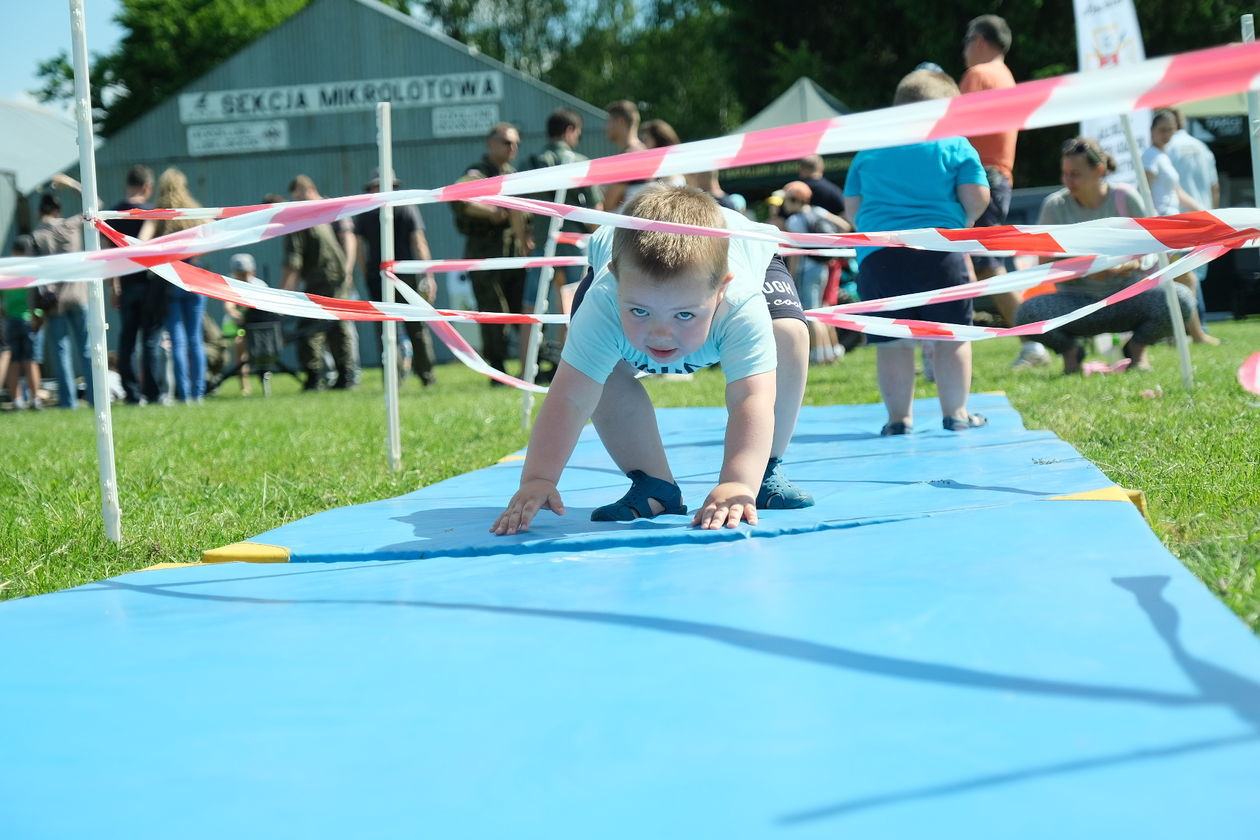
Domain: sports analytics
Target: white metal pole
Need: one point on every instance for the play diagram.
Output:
(110, 511)
(541, 296)
(1253, 114)
(1170, 293)
(389, 329)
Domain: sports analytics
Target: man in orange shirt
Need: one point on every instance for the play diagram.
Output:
(985, 46)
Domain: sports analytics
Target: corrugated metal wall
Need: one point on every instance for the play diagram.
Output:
(339, 41)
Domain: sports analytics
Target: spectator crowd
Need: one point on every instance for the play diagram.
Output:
(170, 351)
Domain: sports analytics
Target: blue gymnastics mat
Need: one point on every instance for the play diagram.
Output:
(944, 646)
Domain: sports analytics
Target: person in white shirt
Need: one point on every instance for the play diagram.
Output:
(1171, 198)
(1196, 166)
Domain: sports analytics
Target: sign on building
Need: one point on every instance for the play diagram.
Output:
(340, 97)
(238, 138)
(464, 120)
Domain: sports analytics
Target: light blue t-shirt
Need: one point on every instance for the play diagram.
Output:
(914, 186)
(740, 337)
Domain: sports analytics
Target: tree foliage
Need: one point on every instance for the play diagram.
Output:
(168, 43)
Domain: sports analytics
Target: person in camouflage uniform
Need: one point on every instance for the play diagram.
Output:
(494, 232)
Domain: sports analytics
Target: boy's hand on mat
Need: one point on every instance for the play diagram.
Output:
(533, 496)
(727, 504)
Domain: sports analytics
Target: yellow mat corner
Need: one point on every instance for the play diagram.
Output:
(246, 552)
(1114, 493)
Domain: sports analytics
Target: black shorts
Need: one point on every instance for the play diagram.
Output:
(778, 287)
(994, 214)
(901, 271)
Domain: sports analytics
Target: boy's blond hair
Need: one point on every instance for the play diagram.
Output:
(924, 84)
(664, 255)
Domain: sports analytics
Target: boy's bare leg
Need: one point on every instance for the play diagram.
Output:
(791, 338)
(894, 368)
(626, 422)
(953, 377)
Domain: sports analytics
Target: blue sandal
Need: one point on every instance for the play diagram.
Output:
(973, 421)
(777, 493)
(636, 504)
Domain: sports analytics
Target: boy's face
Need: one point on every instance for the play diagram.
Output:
(667, 320)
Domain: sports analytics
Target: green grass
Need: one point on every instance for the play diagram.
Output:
(197, 477)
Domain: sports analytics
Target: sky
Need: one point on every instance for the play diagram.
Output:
(39, 29)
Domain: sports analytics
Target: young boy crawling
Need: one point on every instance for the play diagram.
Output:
(673, 303)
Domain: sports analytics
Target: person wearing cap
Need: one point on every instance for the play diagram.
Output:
(410, 243)
(237, 318)
(774, 209)
(810, 272)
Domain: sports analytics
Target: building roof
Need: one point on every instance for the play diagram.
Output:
(36, 143)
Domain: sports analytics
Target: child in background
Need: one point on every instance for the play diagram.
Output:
(22, 324)
(671, 303)
(940, 184)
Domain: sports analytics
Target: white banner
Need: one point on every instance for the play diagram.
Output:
(340, 97)
(238, 138)
(464, 120)
(1108, 35)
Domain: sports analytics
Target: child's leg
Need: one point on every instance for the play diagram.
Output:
(626, 423)
(953, 377)
(894, 368)
(791, 338)
(33, 380)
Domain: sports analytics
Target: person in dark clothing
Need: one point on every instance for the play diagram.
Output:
(823, 193)
(494, 232)
(140, 299)
(410, 243)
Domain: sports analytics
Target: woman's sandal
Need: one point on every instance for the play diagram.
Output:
(897, 428)
(973, 421)
(636, 504)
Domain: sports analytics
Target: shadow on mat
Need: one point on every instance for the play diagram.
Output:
(465, 532)
(1217, 686)
(884, 800)
(765, 643)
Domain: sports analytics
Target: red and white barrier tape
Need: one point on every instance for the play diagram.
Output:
(456, 343)
(578, 240)
(1117, 236)
(909, 328)
(509, 263)
(300, 304)
(1060, 100)
(1013, 281)
(488, 264)
(1033, 104)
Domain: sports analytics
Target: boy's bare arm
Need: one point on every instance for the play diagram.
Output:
(569, 404)
(749, 432)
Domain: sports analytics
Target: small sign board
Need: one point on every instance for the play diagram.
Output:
(238, 138)
(464, 120)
